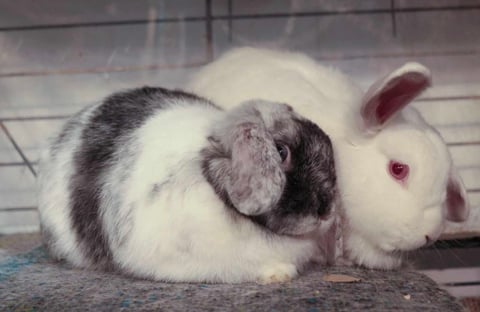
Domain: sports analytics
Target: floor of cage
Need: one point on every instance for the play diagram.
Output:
(52, 285)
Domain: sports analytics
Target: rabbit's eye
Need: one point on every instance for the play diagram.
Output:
(398, 170)
(283, 151)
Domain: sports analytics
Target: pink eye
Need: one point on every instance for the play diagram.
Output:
(398, 170)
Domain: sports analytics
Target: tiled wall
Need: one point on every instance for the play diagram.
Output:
(58, 56)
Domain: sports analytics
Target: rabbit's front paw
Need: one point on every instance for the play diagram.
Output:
(277, 273)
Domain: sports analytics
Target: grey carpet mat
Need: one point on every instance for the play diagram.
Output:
(30, 281)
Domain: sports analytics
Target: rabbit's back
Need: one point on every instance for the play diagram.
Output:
(86, 187)
(293, 78)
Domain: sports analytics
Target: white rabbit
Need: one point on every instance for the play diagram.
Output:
(165, 185)
(395, 175)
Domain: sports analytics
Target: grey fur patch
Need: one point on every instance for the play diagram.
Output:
(157, 188)
(256, 181)
(216, 168)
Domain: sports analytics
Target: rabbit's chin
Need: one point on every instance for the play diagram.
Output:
(361, 252)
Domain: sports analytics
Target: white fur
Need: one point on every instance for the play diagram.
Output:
(381, 216)
(183, 232)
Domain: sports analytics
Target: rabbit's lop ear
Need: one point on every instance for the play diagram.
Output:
(389, 95)
(256, 178)
(457, 201)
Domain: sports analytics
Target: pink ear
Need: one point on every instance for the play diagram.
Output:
(389, 95)
(457, 202)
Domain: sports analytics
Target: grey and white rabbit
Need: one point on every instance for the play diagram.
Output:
(163, 184)
(396, 180)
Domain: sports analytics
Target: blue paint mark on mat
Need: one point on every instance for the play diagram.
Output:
(125, 303)
(152, 297)
(13, 265)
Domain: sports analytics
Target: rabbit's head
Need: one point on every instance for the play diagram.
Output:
(395, 174)
(273, 166)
